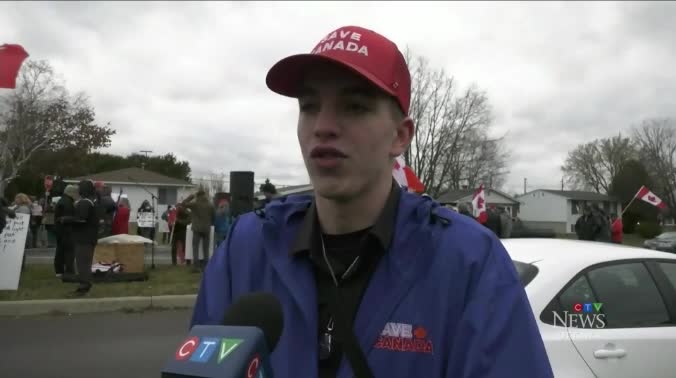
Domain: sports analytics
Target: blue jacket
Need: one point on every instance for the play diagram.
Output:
(445, 300)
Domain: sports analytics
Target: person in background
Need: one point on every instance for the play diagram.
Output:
(171, 219)
(505, 224)
(616, 229)
(463, 209)
(85, 225)
(603, 221)
(108, 208)
(587, 227)
(202, 216)
(146, 232)
(22, 205)
(64, 257)
(48, 220)
(178, 240)
(493, 220)
(120, 224)
(222, 222)
(36, 221)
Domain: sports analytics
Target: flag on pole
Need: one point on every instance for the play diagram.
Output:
(405, 176)
(479, 205)
(646, 195)
(11, 58)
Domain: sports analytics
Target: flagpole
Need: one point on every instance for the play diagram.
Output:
(632, 201)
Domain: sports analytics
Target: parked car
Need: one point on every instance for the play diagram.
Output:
(603, 310)
(666, 241)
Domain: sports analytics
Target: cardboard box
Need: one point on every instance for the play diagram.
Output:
(131, 255)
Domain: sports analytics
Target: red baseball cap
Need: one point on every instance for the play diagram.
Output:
(363, 51)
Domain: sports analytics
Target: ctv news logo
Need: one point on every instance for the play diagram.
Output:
(201, 350)
(584, 315)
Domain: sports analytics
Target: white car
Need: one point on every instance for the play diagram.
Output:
(604, 310)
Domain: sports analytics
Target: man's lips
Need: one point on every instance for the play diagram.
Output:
(326, 152)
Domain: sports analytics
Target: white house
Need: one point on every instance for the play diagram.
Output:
(558, 210)
(138, 184)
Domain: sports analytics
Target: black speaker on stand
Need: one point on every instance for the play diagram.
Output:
(241, 192)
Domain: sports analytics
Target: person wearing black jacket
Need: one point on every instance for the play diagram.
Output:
(85, 224)
(64, 258)
(5, 212)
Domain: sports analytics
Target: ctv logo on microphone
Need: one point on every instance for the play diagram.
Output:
(201, 350)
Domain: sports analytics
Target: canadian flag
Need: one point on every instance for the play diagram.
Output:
(646, 195)
(479, 204)
(405, 176)
(11, 58)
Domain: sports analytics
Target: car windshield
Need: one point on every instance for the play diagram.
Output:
(667, 236)
(526, 272)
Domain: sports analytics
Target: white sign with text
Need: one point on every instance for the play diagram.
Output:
(12, 246)
(145, 220)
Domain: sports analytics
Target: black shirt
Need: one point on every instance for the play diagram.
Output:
(368, 245)
(86, 226)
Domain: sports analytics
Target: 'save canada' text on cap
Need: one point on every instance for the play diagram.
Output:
(365, 52)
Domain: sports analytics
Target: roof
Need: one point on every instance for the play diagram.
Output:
(132, 176)
(455, 195)
(581, 195)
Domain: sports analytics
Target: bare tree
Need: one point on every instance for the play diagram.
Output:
(39, 115)
(451, 147)
(656, 143)
(594, 165)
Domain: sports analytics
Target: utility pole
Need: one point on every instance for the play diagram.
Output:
(561, 183)
(146, 152)
(525, 185)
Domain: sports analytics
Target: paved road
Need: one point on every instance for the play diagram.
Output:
(93, 345)
(46, 255)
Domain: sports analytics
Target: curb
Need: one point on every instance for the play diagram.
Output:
(94, 305)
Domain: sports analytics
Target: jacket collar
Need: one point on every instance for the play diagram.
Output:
(306, 238)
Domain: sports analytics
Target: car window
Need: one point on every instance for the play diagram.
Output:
(579, 292)
(629, 295)
(562, 309)
(669, 270)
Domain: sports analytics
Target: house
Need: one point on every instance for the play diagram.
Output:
(558, 210)
(494, 197)
(138, 184)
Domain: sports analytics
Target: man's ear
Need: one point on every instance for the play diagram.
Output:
(403, 137)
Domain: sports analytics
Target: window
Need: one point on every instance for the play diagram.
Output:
(575, 207)
(629, 295)
(669, 270)
(166, 196)
(578, 292)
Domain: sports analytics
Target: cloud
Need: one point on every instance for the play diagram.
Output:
(188, 78)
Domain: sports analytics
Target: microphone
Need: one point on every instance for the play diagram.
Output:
(238, 348)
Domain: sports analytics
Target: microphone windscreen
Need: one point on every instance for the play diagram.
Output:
(261, 310)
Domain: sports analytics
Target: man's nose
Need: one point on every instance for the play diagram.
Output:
(326, 124)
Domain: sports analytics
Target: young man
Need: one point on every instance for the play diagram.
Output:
(364, 268)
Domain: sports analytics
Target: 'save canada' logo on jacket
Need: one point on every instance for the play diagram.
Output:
(404, 337)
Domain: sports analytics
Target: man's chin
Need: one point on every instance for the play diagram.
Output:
(333, 189)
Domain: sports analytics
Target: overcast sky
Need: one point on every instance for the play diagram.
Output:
(189, 78)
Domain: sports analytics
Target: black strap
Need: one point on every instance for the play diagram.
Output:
(350, 345)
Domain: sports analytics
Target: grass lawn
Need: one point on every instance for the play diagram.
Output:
(39, 282)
